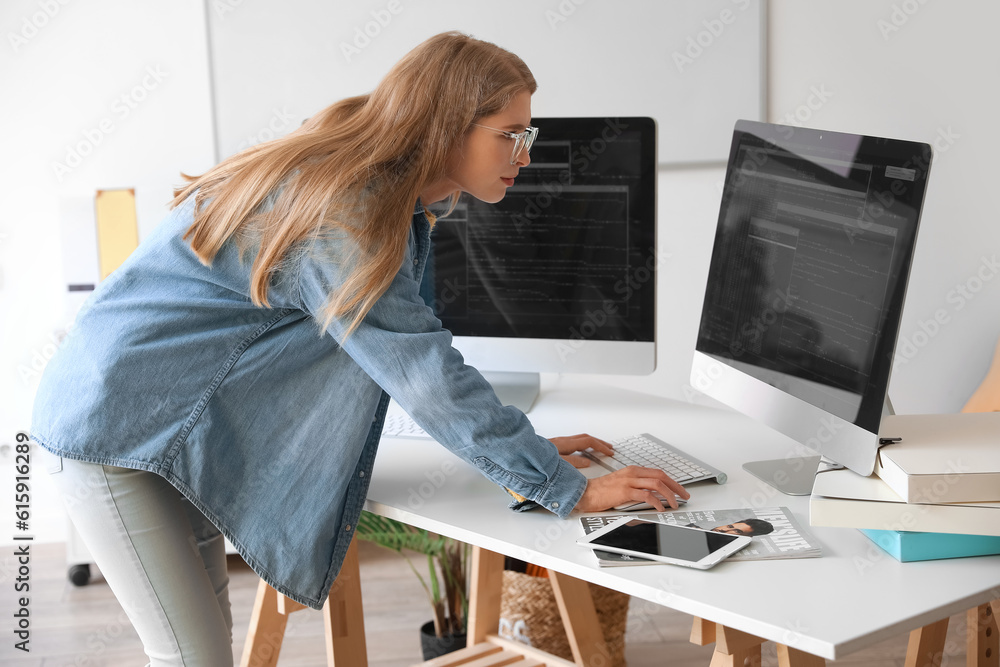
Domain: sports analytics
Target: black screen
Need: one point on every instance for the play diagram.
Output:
(569, 252)
(812, 253)
(649, 537)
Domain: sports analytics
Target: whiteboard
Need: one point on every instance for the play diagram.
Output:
(695, 66)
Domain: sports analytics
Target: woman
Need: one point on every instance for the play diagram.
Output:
(242, 354)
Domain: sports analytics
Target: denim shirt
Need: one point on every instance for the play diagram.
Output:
(266, 423)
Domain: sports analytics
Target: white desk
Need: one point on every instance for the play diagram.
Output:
(852, 597)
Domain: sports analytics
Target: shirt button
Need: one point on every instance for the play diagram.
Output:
(414, 262)
(347, 527)
(361, 474)
(554, 506)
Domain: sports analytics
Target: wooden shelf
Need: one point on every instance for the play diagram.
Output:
(496, 651)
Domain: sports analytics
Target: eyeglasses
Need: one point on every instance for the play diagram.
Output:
(522, 140)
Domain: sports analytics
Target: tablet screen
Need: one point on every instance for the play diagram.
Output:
(665, 540)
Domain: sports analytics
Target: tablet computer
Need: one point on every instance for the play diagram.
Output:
(667, 543)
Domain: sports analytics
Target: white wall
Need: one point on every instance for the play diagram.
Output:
(318, 52)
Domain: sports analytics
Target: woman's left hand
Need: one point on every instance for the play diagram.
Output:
(568, 445)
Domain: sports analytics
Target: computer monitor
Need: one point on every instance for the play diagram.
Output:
(559, 276)
(806, 285)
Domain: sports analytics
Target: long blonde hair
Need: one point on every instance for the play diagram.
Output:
(358, 165)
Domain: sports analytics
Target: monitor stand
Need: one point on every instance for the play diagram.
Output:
(794, 475)
(517, 389)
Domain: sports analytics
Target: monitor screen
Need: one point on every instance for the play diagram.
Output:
(561, 273)
(807, 278)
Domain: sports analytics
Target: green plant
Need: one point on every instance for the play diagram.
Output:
(447, 562)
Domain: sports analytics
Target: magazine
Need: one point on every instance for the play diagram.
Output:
(776, 533)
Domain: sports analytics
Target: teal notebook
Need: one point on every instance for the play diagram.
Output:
(908, 546)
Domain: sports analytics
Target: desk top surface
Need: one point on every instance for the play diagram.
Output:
(853, 596)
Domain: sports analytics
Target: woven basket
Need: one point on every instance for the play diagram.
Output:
(529, 614)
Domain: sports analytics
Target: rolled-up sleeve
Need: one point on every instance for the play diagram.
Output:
(402, 346)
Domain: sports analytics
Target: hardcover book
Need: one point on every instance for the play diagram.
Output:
(950, 458)
(845, 499)
(907, 547)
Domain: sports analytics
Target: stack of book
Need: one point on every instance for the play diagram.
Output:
(934, 494)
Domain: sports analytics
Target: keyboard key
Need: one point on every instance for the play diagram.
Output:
(403, 426)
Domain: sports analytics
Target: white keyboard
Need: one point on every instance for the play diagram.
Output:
(650, 452)
(401, 425)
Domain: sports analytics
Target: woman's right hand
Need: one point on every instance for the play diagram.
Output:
(631, 484)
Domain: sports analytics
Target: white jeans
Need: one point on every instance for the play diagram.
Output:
(164, 561)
